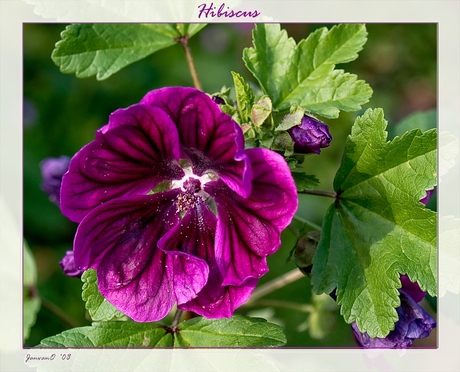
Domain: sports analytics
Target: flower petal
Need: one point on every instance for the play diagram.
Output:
(195, 234)
(413, 323)
(138, 149)
(210, 139)
(192, 237)
(218, 301)
(249, 229)
(118, 239)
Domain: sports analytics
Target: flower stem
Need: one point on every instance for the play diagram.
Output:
(51, 307)
(319, 193)
(177, 317)
(306, 222)
(275, 284)
(184, 41)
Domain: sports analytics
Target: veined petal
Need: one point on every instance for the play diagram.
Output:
(249, 229)
(218, 301)
(210, 139)
(138, 149)
(195, 234)
(193, 237)
(118, 239)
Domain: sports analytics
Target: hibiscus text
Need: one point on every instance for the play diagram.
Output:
(211, 12)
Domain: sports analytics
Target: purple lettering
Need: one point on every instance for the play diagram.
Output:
(209, 12)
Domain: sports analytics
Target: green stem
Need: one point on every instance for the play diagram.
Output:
(319, 193)
(274, 284)
(306, 222)
(177, 318)
(51, 307)
(188, 54)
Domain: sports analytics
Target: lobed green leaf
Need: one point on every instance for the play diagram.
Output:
(304, 74)
(378, 228)
(102, 49)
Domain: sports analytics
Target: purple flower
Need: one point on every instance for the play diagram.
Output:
(310, 136)
(414, 322)
(52, 170)
(172, 208)
(68, 265)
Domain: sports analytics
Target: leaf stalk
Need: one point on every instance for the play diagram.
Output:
(191, 65)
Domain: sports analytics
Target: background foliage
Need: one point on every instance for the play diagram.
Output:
(61, 114)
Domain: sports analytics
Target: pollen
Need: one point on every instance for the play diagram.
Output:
(185, 201)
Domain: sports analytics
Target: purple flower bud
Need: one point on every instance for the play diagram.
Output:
(414, 322)
(218, 100)
(69, 266)
(52, 171)
(310, 136)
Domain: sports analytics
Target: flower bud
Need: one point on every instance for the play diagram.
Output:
(52, 170)
(69, 267)
(310, 136)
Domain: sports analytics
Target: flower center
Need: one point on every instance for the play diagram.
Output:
(189, 198)
(192, 190)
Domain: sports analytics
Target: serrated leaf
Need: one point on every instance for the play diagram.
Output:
(378, 228)
(305, 181)
(98, 307)
(244, 96)
(238, 331)
(304, 74)
(112, 334)
(32, 302)
(102, 49)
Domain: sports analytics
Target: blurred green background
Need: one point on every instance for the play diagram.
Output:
(62, 112)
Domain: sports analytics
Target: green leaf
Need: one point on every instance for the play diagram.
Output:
(378, 228)
(190, 29)
(261, 111)
(305, 181)
(32, 302)
(291, 120)
(304, 74)
(112, 334)
(244, 96)
(102, 49)
(98, 307)
(238, 331)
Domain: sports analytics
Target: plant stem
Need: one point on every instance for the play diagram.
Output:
(319, 193)
(306, 308)
(51, 307)
(275, 284)
(177, 317)
(184, 41)
(306, 222)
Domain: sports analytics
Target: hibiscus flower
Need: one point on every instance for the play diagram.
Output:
(173, 208)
